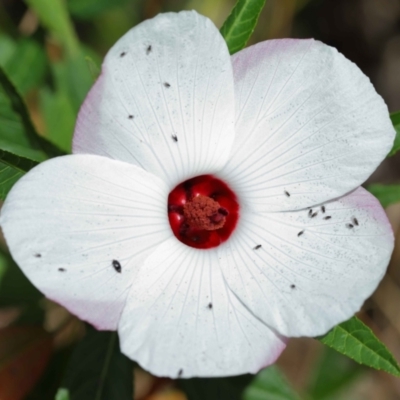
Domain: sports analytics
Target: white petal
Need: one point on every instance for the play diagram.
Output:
(169, 77)
(180, 319)
(304, 284)
(309, 123)
(70, 217)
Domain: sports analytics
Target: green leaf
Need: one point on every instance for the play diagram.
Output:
(395, 117)
(355, 340)
(87, 9)
(93, 68)
(15, 287)
(7, 48)
(21, 148)
(53, 14)
(98, 370)
(73, 79)
(78, 77)
(27, 65)
(215, 388)
(62, 394)
(240, 24)
(333, 374)
(386, 194)
(270, 384)
(17, 133)
(12, 167)
(59, 117)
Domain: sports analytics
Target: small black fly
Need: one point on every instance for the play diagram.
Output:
(117, 266)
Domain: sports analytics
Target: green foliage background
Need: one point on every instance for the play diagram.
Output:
(47, 65)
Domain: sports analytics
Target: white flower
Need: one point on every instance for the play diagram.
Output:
(291, 126)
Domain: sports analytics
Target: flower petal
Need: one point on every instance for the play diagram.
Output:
(164, 100)
(303, 272)
(180, 319)
(80, 226)
(310, 126)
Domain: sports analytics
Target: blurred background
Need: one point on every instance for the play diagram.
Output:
(53, 71)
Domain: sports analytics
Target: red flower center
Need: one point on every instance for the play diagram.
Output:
(202, 212)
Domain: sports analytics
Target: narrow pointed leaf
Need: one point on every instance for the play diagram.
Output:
(59, 117)
(241, 23)
(395, 117)
(386, 194)
(93, 68)
(53, 14)
(87, 9)
(355, 340)
(12, 167)
(26, 67)
(98, 370)
(17, 133)
(7, 48)
(270, 384)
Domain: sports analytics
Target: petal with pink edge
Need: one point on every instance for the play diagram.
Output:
(80, 226)
(310, 126)
(181, 320)
(164, 100)
(305, 271)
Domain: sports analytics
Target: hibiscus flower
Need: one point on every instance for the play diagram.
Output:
(212, 207)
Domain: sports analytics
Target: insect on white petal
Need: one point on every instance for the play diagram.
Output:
(117, 266)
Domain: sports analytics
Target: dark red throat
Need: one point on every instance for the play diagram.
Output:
(203, 212)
